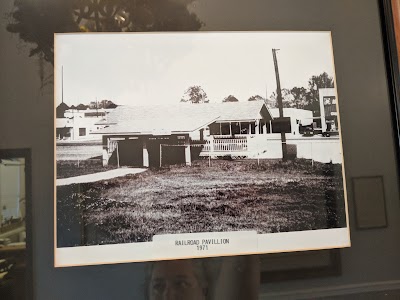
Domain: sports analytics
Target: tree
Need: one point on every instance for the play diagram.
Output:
(302, 98)
(195, 94)
(36, 21)
(314, 84)
(102, 104)
(107, 104)
(110, 105)
(286, 98)
(82, 107)
(299, 97)
(256, 98)
(230, 98)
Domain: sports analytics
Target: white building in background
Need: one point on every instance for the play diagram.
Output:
(328, 108)
(80, 124)
(295, 117)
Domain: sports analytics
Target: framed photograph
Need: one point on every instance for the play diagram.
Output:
(185, 145)
(81, 222)
(16, 258)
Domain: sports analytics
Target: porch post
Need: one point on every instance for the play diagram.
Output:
(257, 127)
(145, 153)
(105, 151)
(249, 127)
(230, 128)
(265, 128)
(188, 158)
(270, 126)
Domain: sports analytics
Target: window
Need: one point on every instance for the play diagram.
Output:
(82, 131)
(12, 197)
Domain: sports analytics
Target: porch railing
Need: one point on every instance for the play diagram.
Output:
(226, 145)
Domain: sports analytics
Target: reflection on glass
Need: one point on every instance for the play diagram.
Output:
(12, 202)
(219, 278)
(12, 228)
(182, 279)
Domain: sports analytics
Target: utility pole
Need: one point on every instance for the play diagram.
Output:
(280, 105)
(62, 84)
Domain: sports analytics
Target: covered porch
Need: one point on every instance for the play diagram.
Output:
(234, 128)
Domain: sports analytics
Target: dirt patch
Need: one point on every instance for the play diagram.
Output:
(72, 168)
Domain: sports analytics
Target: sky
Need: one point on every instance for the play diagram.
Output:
(157, 68)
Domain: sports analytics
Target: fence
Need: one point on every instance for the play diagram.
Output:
(321, 149)
(226, 145)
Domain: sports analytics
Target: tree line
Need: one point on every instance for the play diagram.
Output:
(296, 97)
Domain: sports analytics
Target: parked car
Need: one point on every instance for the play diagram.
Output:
(308, 131)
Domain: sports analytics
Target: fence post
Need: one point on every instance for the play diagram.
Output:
(312, 156)
(117, 155)
(160, 155)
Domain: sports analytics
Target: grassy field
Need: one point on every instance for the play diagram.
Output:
(228, 196)
(71, 168)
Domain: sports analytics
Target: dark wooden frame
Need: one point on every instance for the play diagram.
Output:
(26, 154)
(334, 268)
(388, 25)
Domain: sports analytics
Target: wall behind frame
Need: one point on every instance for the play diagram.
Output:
(26, 121)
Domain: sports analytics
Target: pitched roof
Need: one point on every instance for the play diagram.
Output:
(292, 112)
(179, 118)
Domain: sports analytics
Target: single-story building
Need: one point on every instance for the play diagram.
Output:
(154, 135)
(150, 135)
(79, 124)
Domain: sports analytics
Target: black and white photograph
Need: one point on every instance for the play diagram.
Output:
(196, 144)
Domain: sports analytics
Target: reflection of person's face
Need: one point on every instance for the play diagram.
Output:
(175, 280)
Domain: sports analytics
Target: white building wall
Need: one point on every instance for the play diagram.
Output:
(76, 119)
(12, 190)
(320, 149)
(325, 92)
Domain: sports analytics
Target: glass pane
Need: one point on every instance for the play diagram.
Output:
(12, 228)
(12, 202)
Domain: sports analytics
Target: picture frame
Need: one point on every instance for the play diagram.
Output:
(390, 26)
(22, 257)
(42, 147)
(160, 141)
